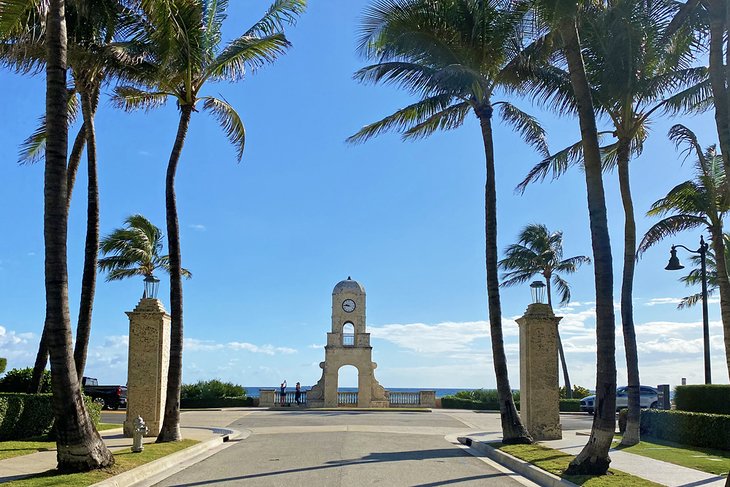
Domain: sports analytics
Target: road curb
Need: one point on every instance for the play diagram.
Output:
(158, 466)
(526, 469)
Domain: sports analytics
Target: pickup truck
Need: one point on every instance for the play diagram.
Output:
(110, 397)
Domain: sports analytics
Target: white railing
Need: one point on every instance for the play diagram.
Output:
(347, 398)
(405, 398)
(348, 339)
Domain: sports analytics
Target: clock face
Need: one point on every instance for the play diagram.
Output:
(348, 305)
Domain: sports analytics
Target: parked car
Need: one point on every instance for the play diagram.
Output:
(648, 398)
(109, 397)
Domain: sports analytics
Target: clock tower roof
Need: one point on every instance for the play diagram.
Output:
(348, 286)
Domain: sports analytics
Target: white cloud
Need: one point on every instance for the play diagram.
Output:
(437, 338)
(198, 227)
(265, 349)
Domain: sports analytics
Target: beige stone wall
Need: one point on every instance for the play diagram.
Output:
(149, 357)
(539, 393)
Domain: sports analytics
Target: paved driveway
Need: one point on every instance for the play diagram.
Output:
(341, 448)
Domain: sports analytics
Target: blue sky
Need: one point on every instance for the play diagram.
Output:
(267, 239)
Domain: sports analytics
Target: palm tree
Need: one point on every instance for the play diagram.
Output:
(135, 251)
(457, 55)
(79, 445)
(538, 251)
(701, 202)
(562, 17)
(93, 56)
(632, 78)
(184, 40)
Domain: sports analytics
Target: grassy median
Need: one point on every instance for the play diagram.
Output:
(716, 462)
(125, 460)
(10, 449)
(555, 462)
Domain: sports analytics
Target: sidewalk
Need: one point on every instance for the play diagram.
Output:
(202, 425)
(655, 470)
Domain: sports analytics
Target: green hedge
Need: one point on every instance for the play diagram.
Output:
(705, 398)
(687, 428)
(219, 402)
(570, 405)
(31, 415)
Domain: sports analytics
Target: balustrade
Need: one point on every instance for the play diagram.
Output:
(289, 398)
(347, 399)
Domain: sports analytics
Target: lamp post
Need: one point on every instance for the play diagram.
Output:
(151, 285)
(674, 265)
(537, 289)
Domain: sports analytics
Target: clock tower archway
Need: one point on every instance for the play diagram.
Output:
(348, 344)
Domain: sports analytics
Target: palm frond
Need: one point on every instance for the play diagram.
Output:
(669, 226)
(129, 98)
(526, 125)
(279, 14)
(561, 285)
(247, 53)
(229, 121)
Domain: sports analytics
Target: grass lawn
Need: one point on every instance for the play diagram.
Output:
(125, 460)
(10, 449)
(706, 459)
(555, 462)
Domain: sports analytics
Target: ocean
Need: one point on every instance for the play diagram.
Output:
(440, 392)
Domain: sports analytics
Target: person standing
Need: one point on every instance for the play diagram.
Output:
(298, 394)
(282, 394)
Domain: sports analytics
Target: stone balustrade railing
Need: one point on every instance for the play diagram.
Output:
(422, 399)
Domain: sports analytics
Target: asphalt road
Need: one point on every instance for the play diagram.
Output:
(320, 448)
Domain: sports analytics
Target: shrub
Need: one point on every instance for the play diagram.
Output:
(18, 380)
(219, 402)
(705, 398)
(454, 402)
(570, 405)
(211, 389)
(688, 428)
(484, 395)
(579, 392)
(3, 364)
(31, 415)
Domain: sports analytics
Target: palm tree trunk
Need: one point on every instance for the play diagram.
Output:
(561, 353)
(718, 77)
(631, 436)
(79, 446)
(513, 431)
(723, 284)
(41, 358)
(594, 459)
(91, 249)
(170, 430)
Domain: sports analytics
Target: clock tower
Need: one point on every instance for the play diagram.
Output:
(348, 344)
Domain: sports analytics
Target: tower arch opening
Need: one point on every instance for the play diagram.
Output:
(348, 334)
(348, 378)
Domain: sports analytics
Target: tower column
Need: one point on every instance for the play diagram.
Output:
(148, 361)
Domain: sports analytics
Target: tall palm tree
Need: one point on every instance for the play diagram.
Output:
(540, 252)
(561, 16)
(93, 56)
(184, 41)
(457, 56)
(632, 78)
(135, 250)
(79, 445)
(698, 203)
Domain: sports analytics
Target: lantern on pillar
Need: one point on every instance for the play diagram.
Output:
(537, 289)
(151, 286)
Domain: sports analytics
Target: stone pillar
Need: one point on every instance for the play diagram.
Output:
(539, 390)
(149, 358)
(427, 399)
(266, 398)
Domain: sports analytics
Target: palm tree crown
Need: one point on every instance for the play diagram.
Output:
(135, 251)
(540, 252)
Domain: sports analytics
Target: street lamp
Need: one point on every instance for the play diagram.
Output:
(674, 265)
(537, 289)
(151, 285)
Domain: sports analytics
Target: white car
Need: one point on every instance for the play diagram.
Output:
(648, 398)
